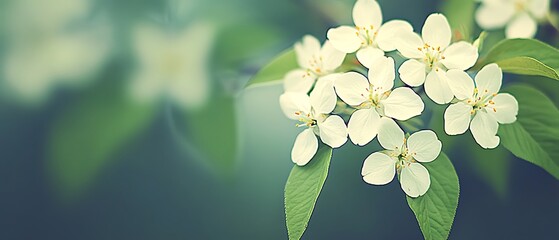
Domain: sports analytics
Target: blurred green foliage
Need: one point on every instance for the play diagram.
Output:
(88, 133)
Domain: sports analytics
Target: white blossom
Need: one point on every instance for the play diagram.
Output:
(313, 114)
(374, 99)
(314, 62)
(369, 37)
(481, 107)
(403, 156)
(431, 55)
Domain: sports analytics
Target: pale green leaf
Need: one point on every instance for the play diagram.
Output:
(527, 66)
(213, 131)
(460, 15)
(302, 190)
(524, 56)
(534, 137)
(436, 209)
(275, 70)
(84, 139)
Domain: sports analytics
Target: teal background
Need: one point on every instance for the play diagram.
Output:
(156, 186)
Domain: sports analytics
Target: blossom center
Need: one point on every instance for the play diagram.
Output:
(520, 5)
(374, 98)
(403, 157)
(367, 35)
(305, 119)
(433, 56)
(315, 65)
(482, 101)
(171, 64)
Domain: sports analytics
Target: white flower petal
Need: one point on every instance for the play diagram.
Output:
(436, 87)
(424, 146)
(484, 129)
(494, 15)
(412, 72)
(352, 88)
(294, 103)
(457, 118)
(367, 13)
(330, 78)
(332, 58)
(333, 131)
(323, 97)
(381, 74)
(304, 148)
(522, 26)
(390, 135)
(363, 126)
(436, 31)
(460, 55)
(368, 55)
(461, 83)
(298, 81)
(505, 108)
(488, 79)
(402, 104)
(306, 49)
(344, 38)
(539, 8)
(409, 44)
(415, 180)
(389, 31)
(378, 169)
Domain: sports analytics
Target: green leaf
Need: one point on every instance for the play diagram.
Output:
(213, 130)
(534, 137)
(527, 66)
(302, 189)
(460, 15)
(85, 137)
(244, 42)
(275, 70)
(436, 209)
(524, 56)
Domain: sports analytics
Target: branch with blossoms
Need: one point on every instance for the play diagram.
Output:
(332, 104)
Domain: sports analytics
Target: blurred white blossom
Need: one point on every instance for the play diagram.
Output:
(519, 17)
(50, 43)
(173, 64)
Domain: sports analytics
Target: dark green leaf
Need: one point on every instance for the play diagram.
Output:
(85, 137)
(436, 209)
(534, 137)
(302, 190)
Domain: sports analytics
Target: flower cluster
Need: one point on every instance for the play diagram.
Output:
(320, 96)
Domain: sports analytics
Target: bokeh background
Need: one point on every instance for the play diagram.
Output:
(129, 120)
